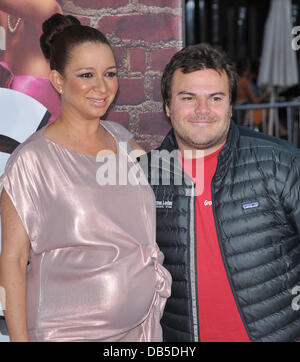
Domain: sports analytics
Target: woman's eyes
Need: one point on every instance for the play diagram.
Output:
(86, 75)
(90, 75)
(111, 74)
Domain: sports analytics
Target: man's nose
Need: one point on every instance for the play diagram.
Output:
(201, 106)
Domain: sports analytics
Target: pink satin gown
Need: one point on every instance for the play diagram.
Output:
(95, 271)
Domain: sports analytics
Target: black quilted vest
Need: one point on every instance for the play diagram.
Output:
(260, 245)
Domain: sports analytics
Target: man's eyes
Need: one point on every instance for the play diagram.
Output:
(212, 99)
(187, 98)
(216, 99)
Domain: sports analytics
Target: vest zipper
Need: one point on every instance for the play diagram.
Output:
(225, 263)
(193, 267)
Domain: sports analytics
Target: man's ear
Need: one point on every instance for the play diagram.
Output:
(56, 80)
(167, 109)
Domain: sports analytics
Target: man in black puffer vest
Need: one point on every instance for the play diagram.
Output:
(229, 225)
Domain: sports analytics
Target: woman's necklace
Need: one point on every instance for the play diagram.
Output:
(12, 29)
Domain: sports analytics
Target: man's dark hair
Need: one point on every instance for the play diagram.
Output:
(198, 57)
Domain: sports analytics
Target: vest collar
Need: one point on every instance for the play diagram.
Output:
(224, 158)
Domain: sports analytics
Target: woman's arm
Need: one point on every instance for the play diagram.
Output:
(252, 96)
(13, 264)
(31, 10)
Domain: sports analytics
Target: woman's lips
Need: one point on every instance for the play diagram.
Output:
(97, 101)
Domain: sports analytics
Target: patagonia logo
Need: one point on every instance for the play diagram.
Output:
(164, 204)
(250, 205)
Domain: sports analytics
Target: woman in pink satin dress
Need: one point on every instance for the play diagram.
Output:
(79, 260)
(23, 67)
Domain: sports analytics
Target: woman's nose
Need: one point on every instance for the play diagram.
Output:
(100, 84)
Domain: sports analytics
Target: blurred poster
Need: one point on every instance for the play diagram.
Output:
(21, 116)
(22, 64)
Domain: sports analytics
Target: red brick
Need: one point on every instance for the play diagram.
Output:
(161, 57)
(149, 144)
(162, 3)
(137, 60)
(146, 145)
(120, 54)
(154, 123)
(131, 91)
(96, 4)
(149, 27)
(109, 24)
(119, 117)
(156, 92)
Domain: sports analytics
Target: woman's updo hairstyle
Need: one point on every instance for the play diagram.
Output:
(63, 32)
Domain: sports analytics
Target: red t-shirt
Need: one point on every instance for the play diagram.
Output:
(219, 318)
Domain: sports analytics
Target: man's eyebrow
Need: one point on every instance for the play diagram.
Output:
(194, 94)
(186, 93)
(218, 94)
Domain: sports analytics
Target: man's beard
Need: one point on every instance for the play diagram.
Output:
(202, 117)
(210, 141)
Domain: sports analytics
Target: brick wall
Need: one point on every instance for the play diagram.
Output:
(144, 35)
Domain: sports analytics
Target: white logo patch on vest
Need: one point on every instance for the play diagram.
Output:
(250, 205)
(164, 204)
